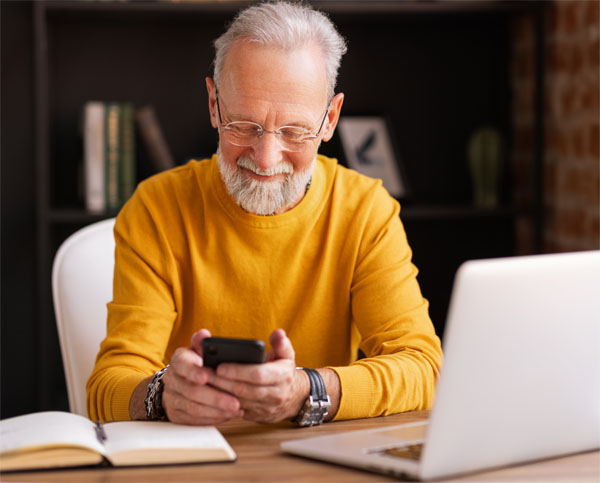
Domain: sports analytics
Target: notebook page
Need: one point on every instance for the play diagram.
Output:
(50, 428)
(128, 435)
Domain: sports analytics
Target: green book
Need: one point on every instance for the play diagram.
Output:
(111, 146)
(127, 167)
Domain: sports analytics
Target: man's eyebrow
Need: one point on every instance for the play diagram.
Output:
(303, 124)
(230, 117)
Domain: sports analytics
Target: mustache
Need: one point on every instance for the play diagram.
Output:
(284, 167)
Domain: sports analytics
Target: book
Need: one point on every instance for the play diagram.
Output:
(127, 171)
(55, 439)
(153, 139)
(111, 137)
(93, 134)
(109, 155)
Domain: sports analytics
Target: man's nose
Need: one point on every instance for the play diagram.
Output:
(267, 151)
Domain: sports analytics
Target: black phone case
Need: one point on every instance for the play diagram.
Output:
(222, 349)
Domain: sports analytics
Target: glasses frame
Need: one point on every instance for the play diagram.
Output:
(276, 132)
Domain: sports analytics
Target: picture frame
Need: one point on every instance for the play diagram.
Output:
(369, 148)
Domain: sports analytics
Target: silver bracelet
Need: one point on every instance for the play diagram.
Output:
(153, 399)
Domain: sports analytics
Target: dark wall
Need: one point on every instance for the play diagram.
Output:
(452, 78)
(18, 360)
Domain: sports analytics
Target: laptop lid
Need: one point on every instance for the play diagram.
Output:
(521, 378)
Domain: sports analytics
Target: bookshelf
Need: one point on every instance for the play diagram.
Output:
(437, 70)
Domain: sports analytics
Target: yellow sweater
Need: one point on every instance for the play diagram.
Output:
(335, 272)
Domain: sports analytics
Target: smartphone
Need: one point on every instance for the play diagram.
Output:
(224, 349)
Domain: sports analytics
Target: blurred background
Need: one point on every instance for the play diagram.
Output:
(492, 107)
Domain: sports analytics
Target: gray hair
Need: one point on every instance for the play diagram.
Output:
(287, 26)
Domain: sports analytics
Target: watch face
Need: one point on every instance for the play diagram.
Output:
(311, 418)
(313, 412)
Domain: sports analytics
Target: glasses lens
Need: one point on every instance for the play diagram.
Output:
(291, 135)
(245, 133)
(242, 133)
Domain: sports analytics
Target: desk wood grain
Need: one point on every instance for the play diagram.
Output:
(260, 459)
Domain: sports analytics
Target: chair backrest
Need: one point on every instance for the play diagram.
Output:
(82, 279)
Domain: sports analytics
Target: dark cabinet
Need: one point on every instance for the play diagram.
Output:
(436, 70)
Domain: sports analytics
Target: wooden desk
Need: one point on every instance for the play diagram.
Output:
(260, 459)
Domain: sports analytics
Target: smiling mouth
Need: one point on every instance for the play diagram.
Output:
(263, 177)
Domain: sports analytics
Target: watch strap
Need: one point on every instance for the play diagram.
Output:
(317, 386)
(317, 405)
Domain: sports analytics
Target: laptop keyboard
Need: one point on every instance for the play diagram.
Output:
(411, 452)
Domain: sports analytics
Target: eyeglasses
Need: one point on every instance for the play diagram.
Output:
(248, 133)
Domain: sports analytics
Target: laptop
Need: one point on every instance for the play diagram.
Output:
(520, 381)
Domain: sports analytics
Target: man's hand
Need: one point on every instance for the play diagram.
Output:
(189, 395)
(269, 392)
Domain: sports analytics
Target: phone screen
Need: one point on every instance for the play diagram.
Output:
(224, 349)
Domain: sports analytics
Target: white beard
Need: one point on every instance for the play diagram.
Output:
(263, 197)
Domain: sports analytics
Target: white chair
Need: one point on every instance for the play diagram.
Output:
(82, 279)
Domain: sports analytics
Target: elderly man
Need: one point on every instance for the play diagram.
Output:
(266, 240)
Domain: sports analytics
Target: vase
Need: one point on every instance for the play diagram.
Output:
(485, 153)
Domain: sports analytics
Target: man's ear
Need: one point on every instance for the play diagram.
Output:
(212, 101)
(333, 116)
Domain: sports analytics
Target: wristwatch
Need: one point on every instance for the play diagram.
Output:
(153, 400)
(317, 405)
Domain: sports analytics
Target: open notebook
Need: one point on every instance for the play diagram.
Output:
(521, 378)
(56, 439)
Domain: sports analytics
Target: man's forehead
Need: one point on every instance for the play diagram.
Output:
(253, 71)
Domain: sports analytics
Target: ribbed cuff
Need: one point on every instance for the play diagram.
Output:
(356, 392)
(119, 403)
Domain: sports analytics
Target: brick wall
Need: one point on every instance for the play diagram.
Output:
(571, 182)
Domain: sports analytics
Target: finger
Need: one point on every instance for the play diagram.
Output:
(269, 373)
(202, 403)
(281, 346)
(181, 390)
(190, 412)
(187, 364)
(273, 407)
(243, 390)
(277, 394)
(197, 338)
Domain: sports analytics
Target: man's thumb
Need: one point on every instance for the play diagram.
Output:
(281, 346)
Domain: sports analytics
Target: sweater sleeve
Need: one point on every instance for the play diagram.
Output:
(403, 353)
(141, 314)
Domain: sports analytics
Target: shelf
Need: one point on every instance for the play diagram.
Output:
(332, 6)
(457, 212)
(77, 216)
(157, 6)
(407, 213)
